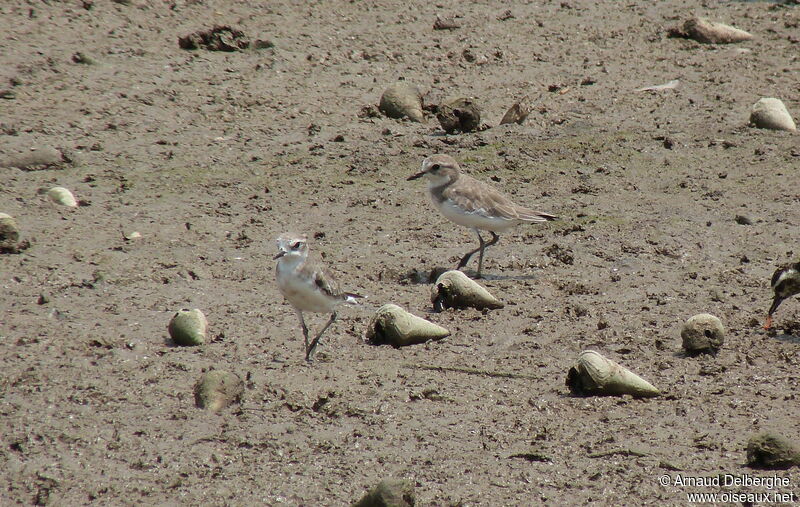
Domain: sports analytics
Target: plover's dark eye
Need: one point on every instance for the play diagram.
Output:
(296, 245)
(435, 167)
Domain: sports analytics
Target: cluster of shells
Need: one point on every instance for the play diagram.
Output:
(403, 100)
(395, 326)
(216, 389)
(455, 114)
(9, 229)
(592, 375)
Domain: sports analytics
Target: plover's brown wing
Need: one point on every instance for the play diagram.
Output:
(321, 279)
(474, 196)
(326, 283)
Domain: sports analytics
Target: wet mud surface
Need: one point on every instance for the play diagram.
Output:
(670, 206)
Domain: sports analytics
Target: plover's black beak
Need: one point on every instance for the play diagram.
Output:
(280, 254)
(775, 304)
(415, 176)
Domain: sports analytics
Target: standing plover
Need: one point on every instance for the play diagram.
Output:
(474, 204)
(307, 287)
(785, 284)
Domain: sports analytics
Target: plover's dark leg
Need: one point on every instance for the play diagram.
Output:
(495, 239)
(481, 248)
(468, 255)
(315, 341)
(303, 326)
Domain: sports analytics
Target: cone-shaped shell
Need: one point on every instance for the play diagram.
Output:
(770, 450)
(9, 233)
(709, 32)
(402, 100)
(702, 333)
(597, 375)
(62, 196)
(217, 389)
(771, 113)
(454, 289)
(188, 327)
(395, 326)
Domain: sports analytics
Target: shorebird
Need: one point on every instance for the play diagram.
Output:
(308, 288)
(785, 284)
(472, 203)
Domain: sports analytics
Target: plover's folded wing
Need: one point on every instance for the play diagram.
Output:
(322, 280)
(474, 196)
(327, 284)
(530, 215)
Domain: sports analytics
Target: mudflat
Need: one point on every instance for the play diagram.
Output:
(670, 205)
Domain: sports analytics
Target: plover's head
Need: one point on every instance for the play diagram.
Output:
(292, 245)
(786, 280)
(438, 170)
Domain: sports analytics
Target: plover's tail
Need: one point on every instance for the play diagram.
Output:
(530, 215)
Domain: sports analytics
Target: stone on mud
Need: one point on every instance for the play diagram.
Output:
(773, 451)
(402, 100)
(459, 115)
(771, 113)
(188, 327)
(218, 389)
(389, 493)
(702, 333)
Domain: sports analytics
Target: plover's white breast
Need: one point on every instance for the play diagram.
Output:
(302, 293)
(478, 218)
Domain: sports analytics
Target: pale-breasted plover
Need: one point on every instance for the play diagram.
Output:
(785, 284)
(474, 204)
(307, 287)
